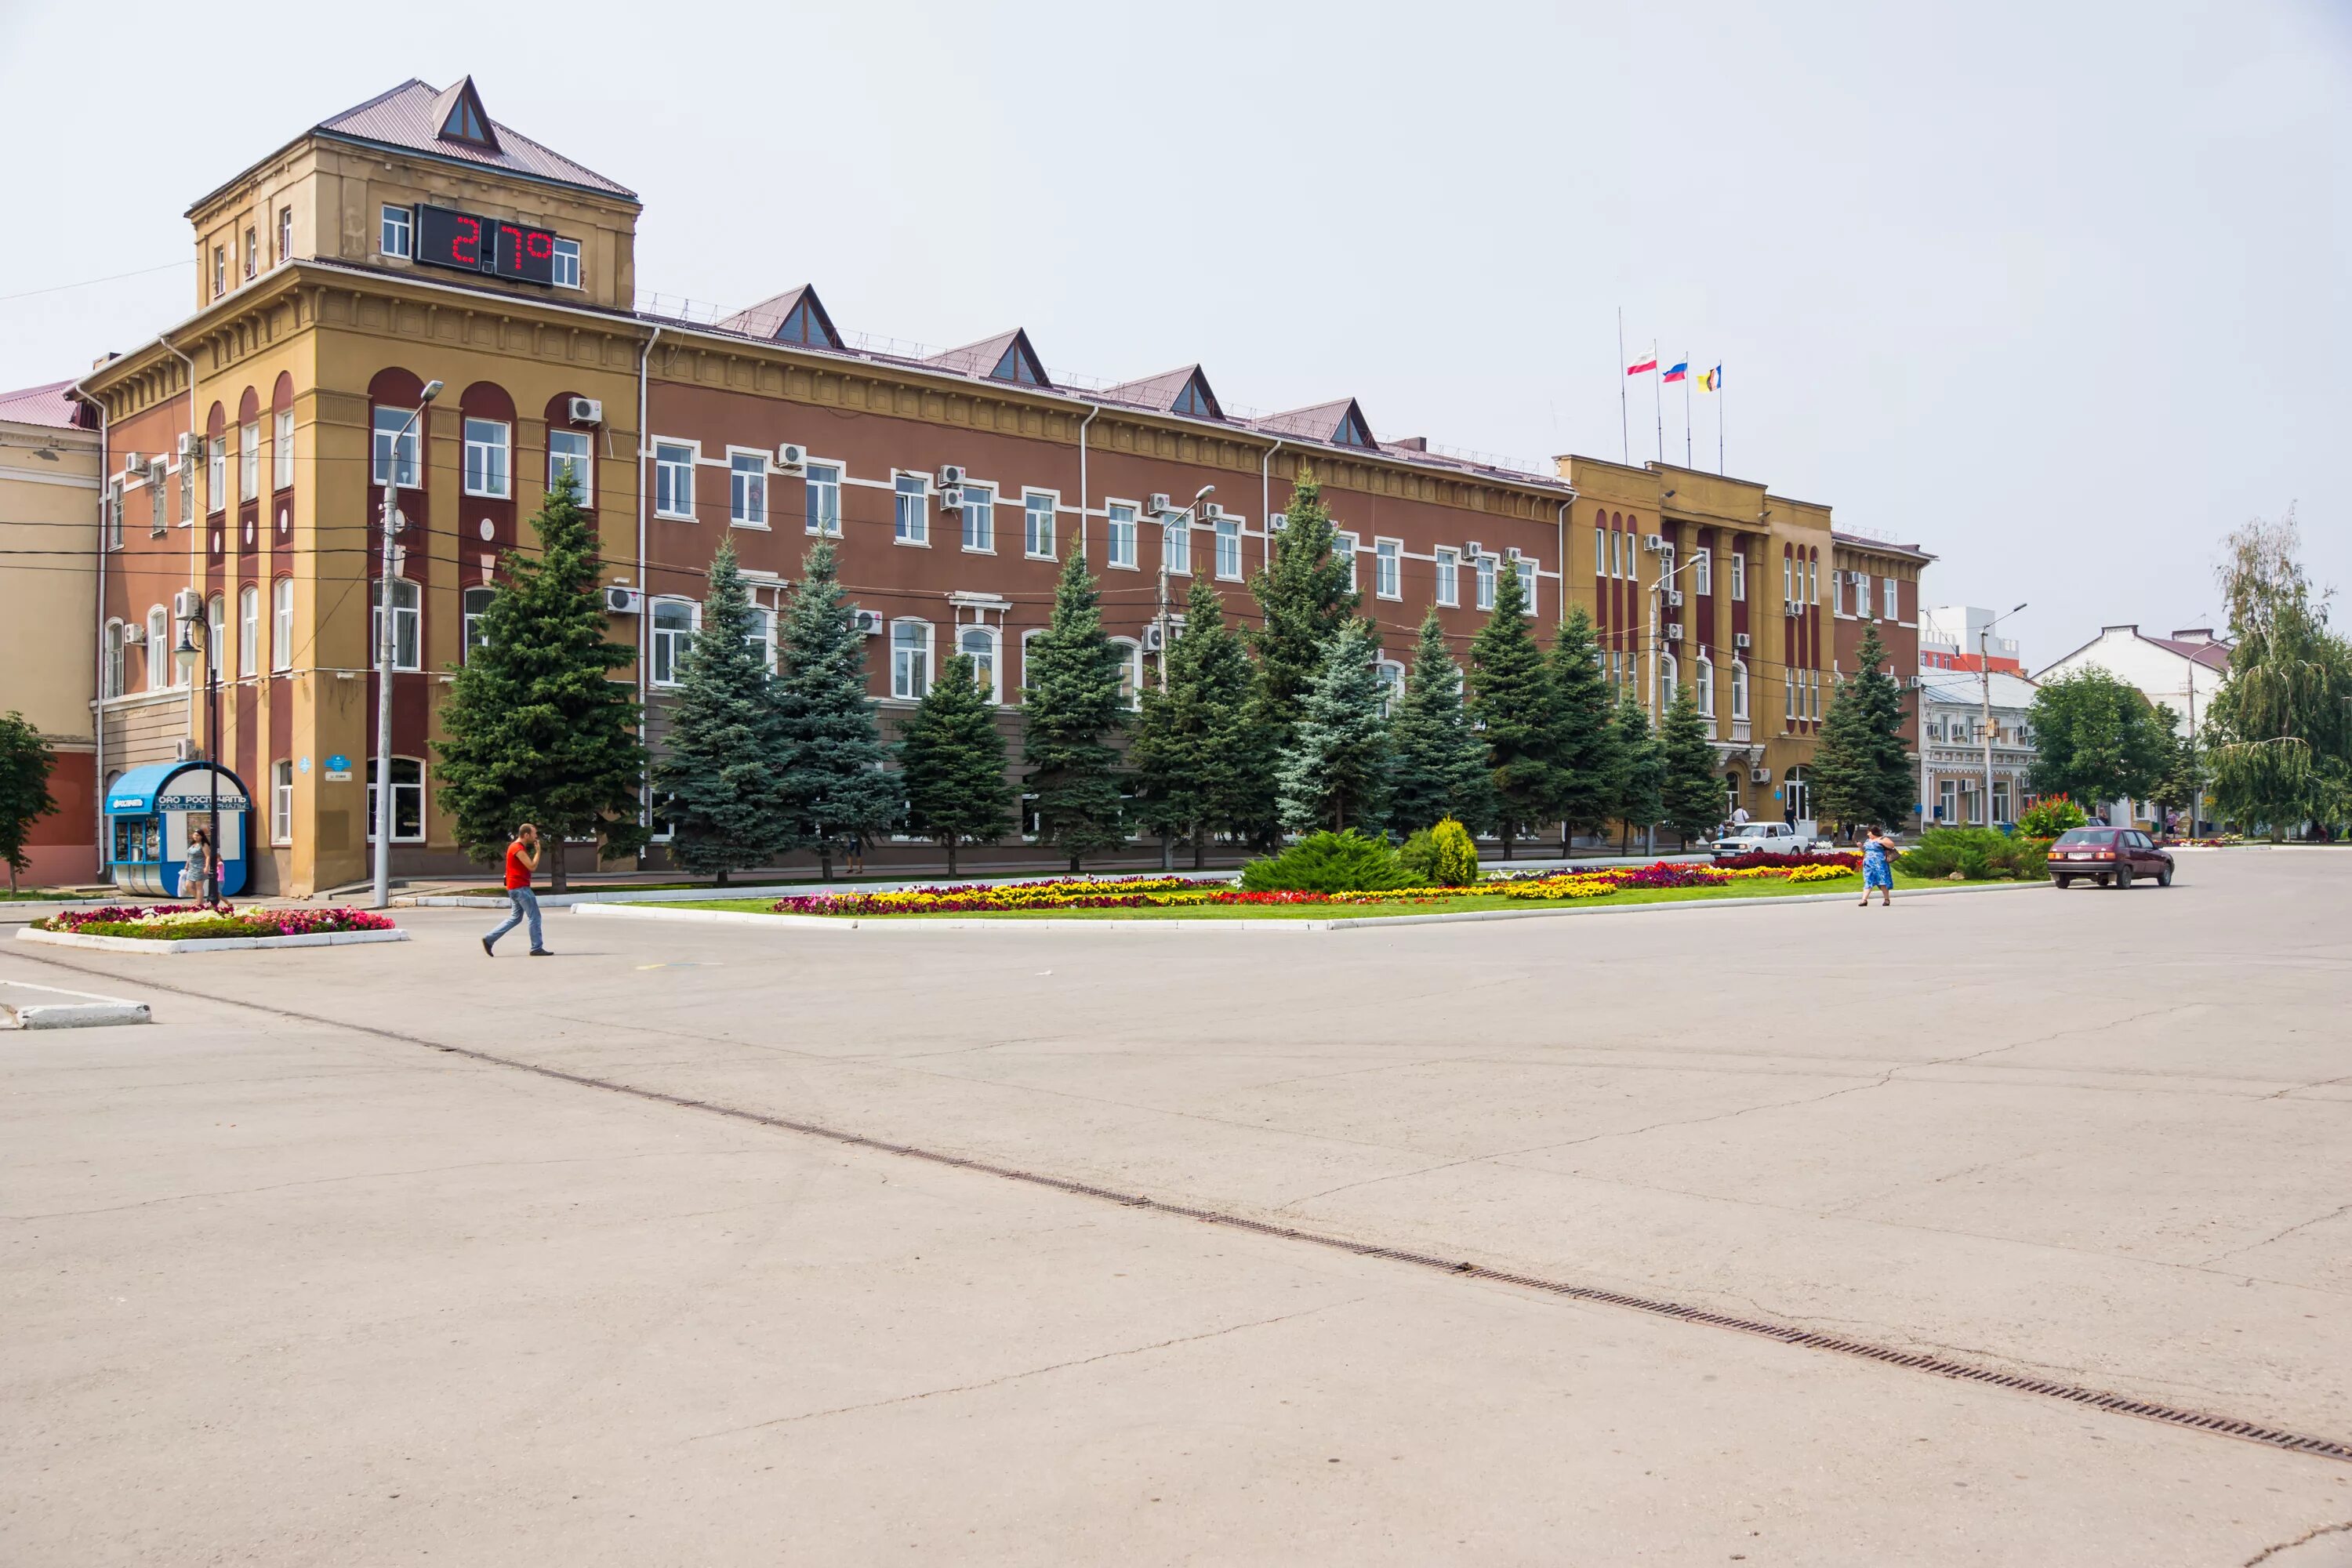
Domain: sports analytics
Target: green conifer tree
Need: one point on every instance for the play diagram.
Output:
(25, 761)
(1637, 779)
(1190, 750)
(836, 786)
(1582, 738)
(1690, 797)
(951, 763)
(1073, 707)
(1516, 708)
(1334, 773)
(1440, 769)
(1859, 774)
(1302, 599)
(720, 776)
(536, 729)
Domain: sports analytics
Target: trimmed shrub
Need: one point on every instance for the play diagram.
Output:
(2049, 816)
(1442, 857)
(1977, 854)
(1328, 863)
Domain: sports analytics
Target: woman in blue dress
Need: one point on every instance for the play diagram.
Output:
(1878, 866)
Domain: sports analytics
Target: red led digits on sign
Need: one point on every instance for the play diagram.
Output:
(466, 245)
(540, 246)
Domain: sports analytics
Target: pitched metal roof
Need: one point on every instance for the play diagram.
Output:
(1182, 391)
(1339, 423)
(410, 116)
(794, 316)
(48, 405)
(1006, 357)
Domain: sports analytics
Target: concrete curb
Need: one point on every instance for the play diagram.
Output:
(210, 943)
(85, 1012)
(1344, 923)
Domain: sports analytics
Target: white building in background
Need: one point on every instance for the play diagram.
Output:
(2182, 671)
(1953, 637)
(1952, 731)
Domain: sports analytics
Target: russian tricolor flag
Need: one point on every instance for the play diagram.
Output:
(1678, 371)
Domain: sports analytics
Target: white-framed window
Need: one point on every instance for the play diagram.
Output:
(673, 634)
(1813, 688)
(395, 450)
(1449, 576)
(162, 670)
(1388, 568)
(1739, 576)
(674, 480)
(1527, 567)
(187, 491)
(1705, 685)
(1131, 671)
(220, 270)
(567, 264)
(281, 624)
(820, 498)
(1391, 676)
(1343, 545)
(487, 469)
(252, 254)
(215, 634)
(1485, 569)
(473, 605)
(762, 635)
(1229, 549)
(911, 519)
(979, 644)
(248, 630)
(281, 802)
(1599, 551)
(282, 450)
(1892, 598)
(216, 471)
(1176, 544)
(1861, 595)
(1670, 675)
(285, 233)
(910, 659)
(392, 238)
(1032, 634)
(248, 461)
(1038, 510)
(407, 644)
(747, 489)
(1702, 571)
(407, 800)
(117, 660)
(979, 518)
(572, 452)
(1120, 524)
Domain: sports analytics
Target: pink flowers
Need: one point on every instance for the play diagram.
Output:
(173, 922)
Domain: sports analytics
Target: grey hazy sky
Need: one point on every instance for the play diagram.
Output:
(2058, 291)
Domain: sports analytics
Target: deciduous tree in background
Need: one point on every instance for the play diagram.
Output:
(2094, 739)
(951, 763)
(1074, 709)
(2280, 733)
(25, 761)
(536, 728)
(721, 774)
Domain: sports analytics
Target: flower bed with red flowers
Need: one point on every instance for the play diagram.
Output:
(189, 923)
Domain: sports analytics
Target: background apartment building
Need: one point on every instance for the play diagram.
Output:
(413, 238)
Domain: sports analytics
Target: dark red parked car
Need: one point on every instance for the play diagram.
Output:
(2111, 856)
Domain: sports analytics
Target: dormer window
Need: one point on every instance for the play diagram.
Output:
(1352, 431)
(1020, 366)
(463, 118)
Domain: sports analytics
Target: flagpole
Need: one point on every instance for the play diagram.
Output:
(1719, 395)
(1625, 428)
(1687, 461)
(1658, 398)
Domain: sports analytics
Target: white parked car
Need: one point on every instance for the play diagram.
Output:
(1771, 838)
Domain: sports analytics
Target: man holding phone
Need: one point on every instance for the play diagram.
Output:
(523, 859)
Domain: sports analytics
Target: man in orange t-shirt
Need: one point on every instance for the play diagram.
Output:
(523, 859)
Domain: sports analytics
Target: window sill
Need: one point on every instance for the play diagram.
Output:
(1039, 555)
(756, 527)
(1391, 598)
(912, 543)
(979, 550)
(674, 516)
(1230, 577)
(488, 495)
(822, 532)
(1121, 566)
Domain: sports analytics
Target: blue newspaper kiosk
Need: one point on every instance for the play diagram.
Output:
(152, 812)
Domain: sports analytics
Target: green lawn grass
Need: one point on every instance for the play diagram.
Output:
(1761, 888)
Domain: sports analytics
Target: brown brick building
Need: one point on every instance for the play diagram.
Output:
(413, 239)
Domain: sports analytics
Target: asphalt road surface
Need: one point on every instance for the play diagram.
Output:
(317, 1268)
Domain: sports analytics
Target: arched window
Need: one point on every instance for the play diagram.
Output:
(407, 800)
(978, 644)
(673, 632)
(248, 630)
(114, 680)
(1131, 671)
(281, 624)
(1739, 690)
(1670, 675)
(910, 659)
(216, 633)
(162, 670)
(474, 605)
(408, 615)
(1705, 685)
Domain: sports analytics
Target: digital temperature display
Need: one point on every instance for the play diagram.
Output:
(471, 243)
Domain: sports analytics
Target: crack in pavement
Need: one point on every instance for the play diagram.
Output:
(1029, 1372)
(2337, 1213)
(2314, 1533)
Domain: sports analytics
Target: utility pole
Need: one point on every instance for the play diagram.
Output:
(1984, 681)
(1168, 522)
(386, 647)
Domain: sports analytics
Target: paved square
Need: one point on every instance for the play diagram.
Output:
(286, 1284)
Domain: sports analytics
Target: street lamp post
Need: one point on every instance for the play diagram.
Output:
(1657, 592)
(1984, 716)
(187, 653)
(1168, 522)
(385, 645)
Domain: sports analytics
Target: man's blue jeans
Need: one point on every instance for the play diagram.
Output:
(526, 908)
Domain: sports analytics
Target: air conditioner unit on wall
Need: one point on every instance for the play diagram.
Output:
(1212, 512)
(134, 633)
(950, 475)
(952, 498)
(869, 622)
(1760, 775)
(587, 411)
(1472, 551)
(791, 457)
(191, 446)
(1653, 542)
(185, 605)
(1673, 598)
(1152, 640)
(1674, 631)
(1158, 503)
(132, 464)
(1741, 640)
(183, 750)
(620, 599)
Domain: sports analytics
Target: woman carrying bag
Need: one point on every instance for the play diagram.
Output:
(199, 873)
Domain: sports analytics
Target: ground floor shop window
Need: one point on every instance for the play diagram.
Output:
(407, 800)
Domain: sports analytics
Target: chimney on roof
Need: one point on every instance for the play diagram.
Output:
(1408, 444)
(2194, 634)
